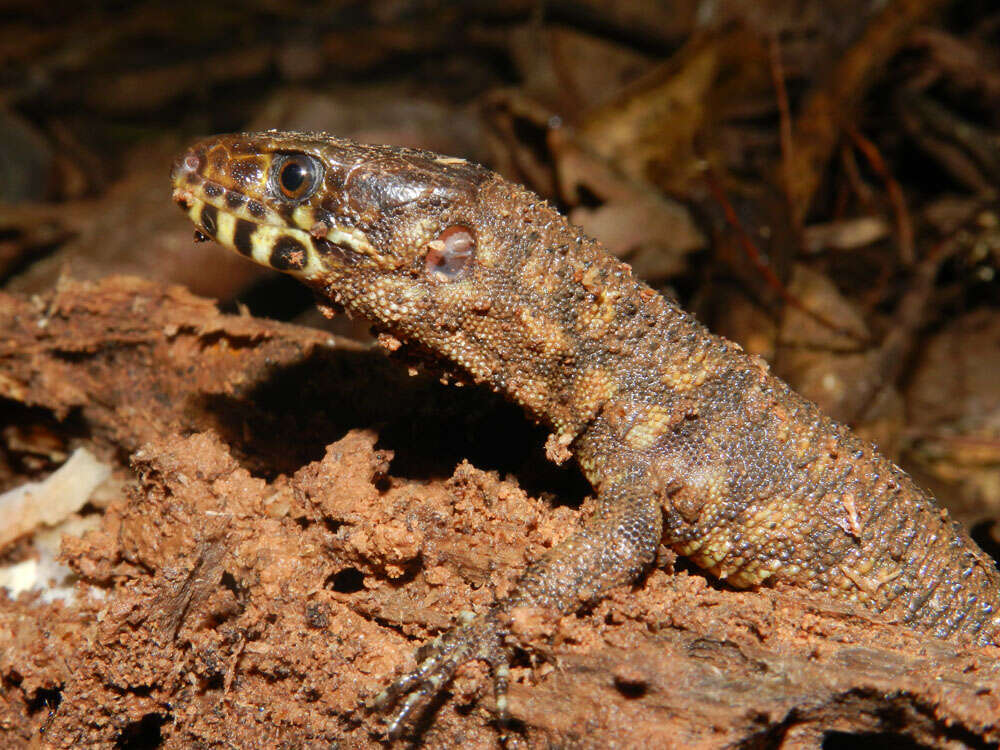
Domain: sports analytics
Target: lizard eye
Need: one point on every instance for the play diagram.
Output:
(450, 253)
(295, 176)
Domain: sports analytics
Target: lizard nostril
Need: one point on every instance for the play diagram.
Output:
(182, 198)
(185, 168)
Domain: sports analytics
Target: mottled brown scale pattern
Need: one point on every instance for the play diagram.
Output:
(686, 439)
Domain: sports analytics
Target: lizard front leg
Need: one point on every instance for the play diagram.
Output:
(615, 545)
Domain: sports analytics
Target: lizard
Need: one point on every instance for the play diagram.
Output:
(687, 441)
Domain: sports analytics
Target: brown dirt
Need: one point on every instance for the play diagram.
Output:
(294, 526)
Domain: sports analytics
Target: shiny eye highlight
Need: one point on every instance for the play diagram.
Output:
(450, 253)
(295, 177)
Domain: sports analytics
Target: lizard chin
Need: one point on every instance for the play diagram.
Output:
(287, 249)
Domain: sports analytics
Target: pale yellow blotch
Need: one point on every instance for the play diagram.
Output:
(416, 236)
(536, 275)
(464, 295)
(226, 228)
(489, 252)
(546, 335)
(647, 430)
(704, 487)
(532, 394)
(358, 241)
(304, 217)
(602, 313)
(591, 320)
(194, 206)
(748, 577)
(607, 302)
(867, 584)
(590, 278)
(688, 548)
(263, 243)
(711, 553)
(684, 378)
(591, 391)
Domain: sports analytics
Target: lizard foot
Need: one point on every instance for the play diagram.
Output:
(475, 637)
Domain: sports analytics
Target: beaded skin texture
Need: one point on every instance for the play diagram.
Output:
(687, 440)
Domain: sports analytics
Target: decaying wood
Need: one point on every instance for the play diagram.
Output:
(675, 657)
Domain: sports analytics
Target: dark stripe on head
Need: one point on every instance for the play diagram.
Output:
(234, 199)
(343, 254)
(243, 236)
(212, 189)
(209, 219)
(288, 254)
(285, 211)
(255, 208)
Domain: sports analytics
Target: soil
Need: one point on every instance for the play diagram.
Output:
(295, 515)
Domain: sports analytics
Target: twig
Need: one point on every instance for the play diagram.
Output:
(785, 133)
(889, 360)
(836, 100)
(904, 224)
(760, 262)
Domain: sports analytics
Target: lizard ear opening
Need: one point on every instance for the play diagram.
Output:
(450, 253)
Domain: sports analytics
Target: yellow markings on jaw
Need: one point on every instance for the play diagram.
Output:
(270, 231)
(265, 239)
(226, 229)
(192, 207)
(304, 217)
(354, 239)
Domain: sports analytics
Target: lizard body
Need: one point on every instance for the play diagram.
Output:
(687, 440)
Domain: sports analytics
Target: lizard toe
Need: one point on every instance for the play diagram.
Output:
(479, 638)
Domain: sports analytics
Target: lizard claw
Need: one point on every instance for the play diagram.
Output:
(474, 637)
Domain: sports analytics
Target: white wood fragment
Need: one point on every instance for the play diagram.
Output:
(64, 492)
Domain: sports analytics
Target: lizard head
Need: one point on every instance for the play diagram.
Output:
(434, 250)
(348, 219)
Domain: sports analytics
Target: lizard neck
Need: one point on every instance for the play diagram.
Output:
(577, 340)
(547, 318)
(554, 322)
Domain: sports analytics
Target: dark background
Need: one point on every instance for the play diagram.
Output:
(816, 180)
